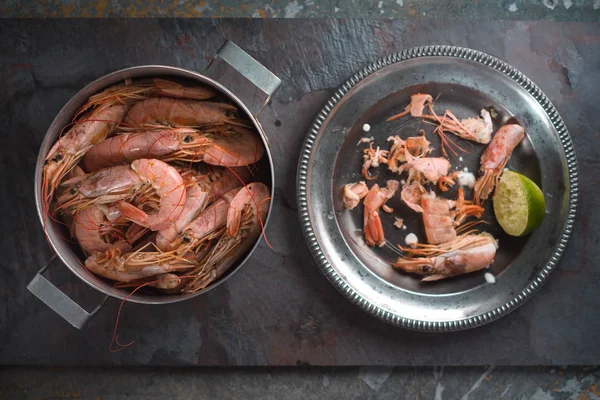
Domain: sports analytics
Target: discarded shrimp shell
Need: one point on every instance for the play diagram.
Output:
(416, 106)
(375, 199)
(353, 193)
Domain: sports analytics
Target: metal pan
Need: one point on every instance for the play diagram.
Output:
(236, 75)
(466, 81)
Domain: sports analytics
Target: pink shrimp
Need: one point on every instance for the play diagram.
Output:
(254, 196)
(169, 187)
(96, 120)
(163, 87)
(245, 222)
(353, 193)
(494, 159)
(416, 106)
(129, 267)
(375, 199)
(179, 112)
(126, 148)
(135, 232)
(130, 183)
(466, 253)
(228, 145)
(93, 127)
(213, 185)
(109, 107)
(95, 233)
(208, 225)
(102, 187)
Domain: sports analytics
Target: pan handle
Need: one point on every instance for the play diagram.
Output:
(54, 298)
(249, 80)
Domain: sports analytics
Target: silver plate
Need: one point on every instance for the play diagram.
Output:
(466, 81)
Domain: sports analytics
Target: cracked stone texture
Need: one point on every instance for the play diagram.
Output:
(302, 383)
(465, 10)
(279, 309)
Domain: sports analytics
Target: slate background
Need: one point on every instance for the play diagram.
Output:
(279, 309)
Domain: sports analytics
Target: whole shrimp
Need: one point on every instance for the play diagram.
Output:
(375, 199)
(245, 222)
(163, 87)
(199, 194)
(125, 148)
(179, 112)
(208, 225)
(128, 182)
(94, 232)
(228, 145)
(112, 264)
(169, 283)
(95, 120)
(494, 159)
(467, 253)
(90, 129)
(169, 187)
(107, 110)
(144, 88)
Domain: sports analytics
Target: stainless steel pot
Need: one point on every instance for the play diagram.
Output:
(235, 74)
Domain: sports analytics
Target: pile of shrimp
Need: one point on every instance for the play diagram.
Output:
(454, 246)
(154, 180)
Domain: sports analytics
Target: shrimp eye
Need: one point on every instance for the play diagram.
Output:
(73, 191)
(426, 268)
(186, 239)
(187, 139)
(58, 157)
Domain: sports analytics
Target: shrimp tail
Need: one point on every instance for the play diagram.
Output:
(133, 213)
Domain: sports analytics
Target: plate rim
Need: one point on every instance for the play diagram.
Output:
(302, 188)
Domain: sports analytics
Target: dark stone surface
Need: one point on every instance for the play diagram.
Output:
(279, 309)
(465, 10)
(466, 383)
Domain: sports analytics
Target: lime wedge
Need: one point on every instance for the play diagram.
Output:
(519, 204)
